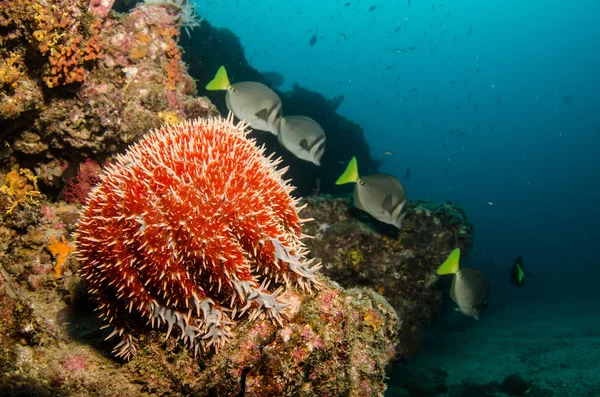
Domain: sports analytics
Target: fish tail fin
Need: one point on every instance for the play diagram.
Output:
(520, 274)
(220, 82)
(350, 175)
(450, 266)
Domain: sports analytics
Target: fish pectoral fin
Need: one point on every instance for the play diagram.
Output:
(304, 145)
(262, 114)
(387, 203)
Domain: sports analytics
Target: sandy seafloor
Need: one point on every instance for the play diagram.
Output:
(555, 344)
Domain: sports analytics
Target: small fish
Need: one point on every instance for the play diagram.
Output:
(302, 136)
(255, 103)
(390, 67)
(436, 97)
(313, 40)
(407, 174)
(499, 103)
(462, 133)
(470, 289)
(478, 69)
(380, 195)
(409, 3)
(372, 8)
(517, 272)
(388, 153)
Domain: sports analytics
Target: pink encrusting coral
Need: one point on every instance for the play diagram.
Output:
(192, 227)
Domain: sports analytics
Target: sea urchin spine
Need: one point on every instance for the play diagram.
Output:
(190, 227)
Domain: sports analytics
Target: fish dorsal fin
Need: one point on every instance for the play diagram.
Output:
(450, 266)
(387, 203)
(350, 175)
(304, 145)
(220, 82)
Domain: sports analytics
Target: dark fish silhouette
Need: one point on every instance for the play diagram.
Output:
(407, 175)
(313, 40)
(517, 272)
(499, 102)
(372, 8)
(272, 79)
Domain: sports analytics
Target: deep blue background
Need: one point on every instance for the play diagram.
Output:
(527, 172)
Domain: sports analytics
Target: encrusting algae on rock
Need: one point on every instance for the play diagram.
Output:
(191, 227)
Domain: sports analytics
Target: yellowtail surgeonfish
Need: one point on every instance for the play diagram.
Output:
(380, 195)
(255, 103)
(302, 136)
(470, 289)
(517, 272)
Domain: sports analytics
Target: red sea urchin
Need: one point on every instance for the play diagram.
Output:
(190, 227)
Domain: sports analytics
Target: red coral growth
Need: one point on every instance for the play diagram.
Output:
(78, 187)
(191, 227)
(172, 68)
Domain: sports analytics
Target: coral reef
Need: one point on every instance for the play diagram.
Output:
(334, 342)
(78, 82)
(211, 47)
(357, 250)
(76, 86)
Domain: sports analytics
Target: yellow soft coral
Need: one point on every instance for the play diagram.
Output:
(60, 250)
(21, 186)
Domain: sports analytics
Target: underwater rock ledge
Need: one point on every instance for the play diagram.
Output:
(357, 251)
(339, 341)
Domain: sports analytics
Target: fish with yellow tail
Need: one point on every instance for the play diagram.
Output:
(380, 195)
(470, 289)
(255, 103)
(302, 136)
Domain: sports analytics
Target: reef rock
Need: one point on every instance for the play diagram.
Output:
(73, 85)
(357, 250)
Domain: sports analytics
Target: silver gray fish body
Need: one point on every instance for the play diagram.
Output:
(382, 196)
(256, 104)
(302, 136)
(470, 290)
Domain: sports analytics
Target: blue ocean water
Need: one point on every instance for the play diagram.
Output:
(519, 80)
